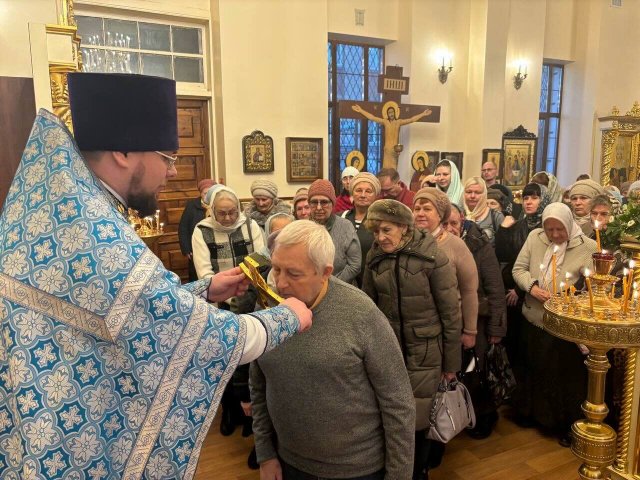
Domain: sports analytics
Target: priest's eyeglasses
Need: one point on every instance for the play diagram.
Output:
(171, 160)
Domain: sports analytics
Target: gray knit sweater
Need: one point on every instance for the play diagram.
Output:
(348, 259)
(337, 397)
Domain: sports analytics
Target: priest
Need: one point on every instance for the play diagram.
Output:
(109, 368)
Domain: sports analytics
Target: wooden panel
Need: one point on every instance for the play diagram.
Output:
(17, 112)
(192, 166)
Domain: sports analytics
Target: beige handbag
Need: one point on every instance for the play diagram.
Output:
(452, 411)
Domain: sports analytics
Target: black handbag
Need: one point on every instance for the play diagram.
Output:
(500, 378)
(475, 380)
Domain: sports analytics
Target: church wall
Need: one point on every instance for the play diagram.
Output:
(274, 79)
(559, 30)
(380, 18)
(183, 8)
(15, 54)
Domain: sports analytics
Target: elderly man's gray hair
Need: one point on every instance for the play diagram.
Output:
(320, 248)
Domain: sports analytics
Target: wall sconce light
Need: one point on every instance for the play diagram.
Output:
(519, 77)
(443, 71)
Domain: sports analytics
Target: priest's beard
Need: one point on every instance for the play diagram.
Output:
(145, 203)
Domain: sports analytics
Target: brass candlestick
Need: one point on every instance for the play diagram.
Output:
(601, 324)
(149, 228)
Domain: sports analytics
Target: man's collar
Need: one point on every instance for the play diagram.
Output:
(122, 205)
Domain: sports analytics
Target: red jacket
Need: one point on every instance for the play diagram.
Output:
(405, 196)
(343, 203)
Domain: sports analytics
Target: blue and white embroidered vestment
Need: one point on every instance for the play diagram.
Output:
(108, 367)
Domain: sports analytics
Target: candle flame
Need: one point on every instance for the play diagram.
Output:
(587, 272)
(555, 249)
(625, 271)
(567, 275)
(632, 264)
(596, 224)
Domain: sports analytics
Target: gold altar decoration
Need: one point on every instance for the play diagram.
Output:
(600, 321)
(149, 228)
(58, 70)
(620, 146)
(250, 267)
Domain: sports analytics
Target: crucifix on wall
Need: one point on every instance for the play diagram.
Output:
(391, 113)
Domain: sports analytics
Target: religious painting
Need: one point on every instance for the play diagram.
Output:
(625, 158)
(453, 157)
(422, 160)
(519, 158)
(257, 153)
(304, 159)
(492, 155)
(355, 159)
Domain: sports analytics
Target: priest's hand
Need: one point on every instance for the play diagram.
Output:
(302, 312)
(356, 108)
(227, 284)
(271, 470)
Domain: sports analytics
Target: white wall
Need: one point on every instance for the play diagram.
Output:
(274, 79)
(15, 16)
(380, 18)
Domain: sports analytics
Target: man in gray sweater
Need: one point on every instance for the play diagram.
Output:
(335, 402)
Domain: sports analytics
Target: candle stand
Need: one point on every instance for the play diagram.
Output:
(601, 323)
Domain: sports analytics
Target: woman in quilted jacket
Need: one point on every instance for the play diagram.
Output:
(414, 285)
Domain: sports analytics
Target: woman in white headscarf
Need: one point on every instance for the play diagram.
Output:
(477, 209)
(552, 380)
(448, 181)
(222, 240)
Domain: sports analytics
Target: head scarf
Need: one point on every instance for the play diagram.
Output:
(210, 198)
(535, 219)
(454, 192)
(480, 209)
(271, 236)
(615, 198)
(507, 208)
(634, 186)
(553, 187)
(563, 214)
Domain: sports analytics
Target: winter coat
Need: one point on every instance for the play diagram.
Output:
(491, 294)
(417, 290)
(509, 242)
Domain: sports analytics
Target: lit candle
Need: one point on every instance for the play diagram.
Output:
(596, 225)
(567, 277)
(561, 290)
(627, 297)
(587, 278)
(625, 274)
(554, 283)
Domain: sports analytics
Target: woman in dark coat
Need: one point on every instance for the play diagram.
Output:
(510, 238)
(492, 318)
(414, 285)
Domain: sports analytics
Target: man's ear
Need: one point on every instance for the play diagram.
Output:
(121, 160)
(328, 270)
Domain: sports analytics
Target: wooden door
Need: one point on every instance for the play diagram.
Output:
(17, 111)
(192, 165)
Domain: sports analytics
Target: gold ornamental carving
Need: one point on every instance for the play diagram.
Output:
(621, 463)
(57, 70)
(620, 146)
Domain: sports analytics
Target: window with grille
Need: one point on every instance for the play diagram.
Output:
(549, 118)
(353, 71)
(129, 46)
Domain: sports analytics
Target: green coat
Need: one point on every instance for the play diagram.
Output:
(417, 290)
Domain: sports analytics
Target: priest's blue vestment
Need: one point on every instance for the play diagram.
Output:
(109, 368)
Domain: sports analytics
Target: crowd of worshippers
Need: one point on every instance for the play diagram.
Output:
(451, 266)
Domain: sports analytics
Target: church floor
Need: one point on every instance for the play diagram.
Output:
(510, 453)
